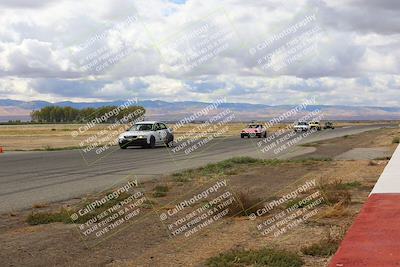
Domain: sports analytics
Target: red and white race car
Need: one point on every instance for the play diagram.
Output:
(254, 130)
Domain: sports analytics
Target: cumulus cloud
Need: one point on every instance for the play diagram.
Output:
(200, 50)
(25, 3)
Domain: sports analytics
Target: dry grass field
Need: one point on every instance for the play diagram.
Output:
(59, 136)
(42, 136)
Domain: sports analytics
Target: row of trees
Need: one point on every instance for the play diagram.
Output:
(56, 114)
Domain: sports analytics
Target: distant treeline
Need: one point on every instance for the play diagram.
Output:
(106, 114)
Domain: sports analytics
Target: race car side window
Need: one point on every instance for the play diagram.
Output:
(159, 126)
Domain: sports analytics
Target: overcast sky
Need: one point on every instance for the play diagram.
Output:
(343, 52)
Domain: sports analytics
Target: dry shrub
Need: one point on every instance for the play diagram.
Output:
(336, 211)
(160, 191)
(335, 192)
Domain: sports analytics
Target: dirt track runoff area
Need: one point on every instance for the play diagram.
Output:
(232, 213)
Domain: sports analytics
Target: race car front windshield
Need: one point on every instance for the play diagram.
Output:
(142, 127)
(252, 126)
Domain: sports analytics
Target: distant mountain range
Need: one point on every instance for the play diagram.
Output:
(171, 111)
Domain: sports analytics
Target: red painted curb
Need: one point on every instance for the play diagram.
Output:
(374, 238)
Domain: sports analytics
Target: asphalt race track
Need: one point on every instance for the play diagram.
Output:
(28, 178)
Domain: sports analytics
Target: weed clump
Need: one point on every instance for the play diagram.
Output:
(264, 257)
(64, 215)
(325, 247)
(160, 191)
(336, 192)
(49, 217)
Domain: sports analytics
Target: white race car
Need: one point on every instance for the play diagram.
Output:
(146, 134)
(315, 125)
(301, 126)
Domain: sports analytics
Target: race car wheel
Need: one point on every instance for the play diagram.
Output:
(265, 135)
(123, 146)
(252, 135)
(152, 142)
(170, 140)
(242, 136)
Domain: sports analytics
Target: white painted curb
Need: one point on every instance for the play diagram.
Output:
(389, 181)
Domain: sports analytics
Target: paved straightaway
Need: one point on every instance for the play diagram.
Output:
(28, 178)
